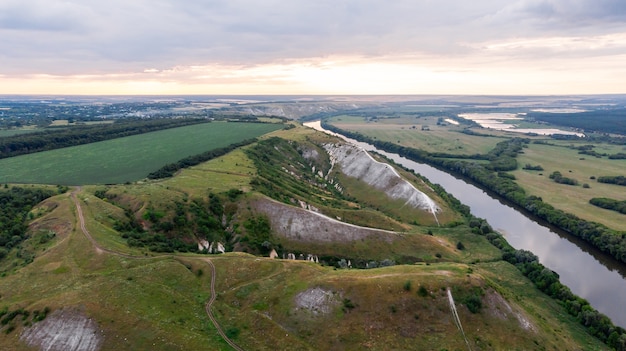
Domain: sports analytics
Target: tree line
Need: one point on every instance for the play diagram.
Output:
(170, 169)
(56, 138)
(609, 204)
(617, 180)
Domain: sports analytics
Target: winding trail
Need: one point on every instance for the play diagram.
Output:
(99, 248)
(209, 312)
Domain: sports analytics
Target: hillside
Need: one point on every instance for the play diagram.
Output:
(123, 271)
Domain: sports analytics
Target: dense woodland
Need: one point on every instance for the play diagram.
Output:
(56, 138)
(602, 121)
(15, 204)
(545, 279)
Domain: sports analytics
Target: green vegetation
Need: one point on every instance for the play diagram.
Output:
(604, 120)
(609, 204)
(559, 178)
(407, 130)
(51, 139)
(125, 159)
(15, 206)
(617, 180)
(170, 169)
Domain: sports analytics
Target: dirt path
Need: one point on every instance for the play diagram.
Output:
(209, 312)
(207, 307)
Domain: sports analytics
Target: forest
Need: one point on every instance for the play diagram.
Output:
(602, 121)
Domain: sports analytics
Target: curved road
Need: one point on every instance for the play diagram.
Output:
(209, 304)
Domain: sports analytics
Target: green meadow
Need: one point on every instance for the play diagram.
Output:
(125, 159)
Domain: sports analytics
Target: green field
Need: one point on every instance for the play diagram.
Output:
(407, 131)
(574, 199)
(125, 159)
(11, 132)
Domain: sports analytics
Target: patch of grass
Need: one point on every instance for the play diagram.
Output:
(444, 139)
(125, 159)
(572, 199)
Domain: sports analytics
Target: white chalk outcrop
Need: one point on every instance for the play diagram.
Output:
(67, 330)
(357, 163)
(305, 225)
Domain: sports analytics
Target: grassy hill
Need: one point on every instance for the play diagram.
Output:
(133, 298)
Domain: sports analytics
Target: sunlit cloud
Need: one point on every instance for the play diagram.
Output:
(326, 46)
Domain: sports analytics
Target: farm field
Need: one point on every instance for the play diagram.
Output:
(574, 199)
(125, 159)
(407, 131)
(11, 132)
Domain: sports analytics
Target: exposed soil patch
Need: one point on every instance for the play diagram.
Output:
(317, 301)
(500, 308)
(303, 225)
(64, 330)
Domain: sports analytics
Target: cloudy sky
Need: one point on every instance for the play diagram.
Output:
(312, 46)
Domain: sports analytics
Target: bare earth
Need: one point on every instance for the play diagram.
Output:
(64, 330)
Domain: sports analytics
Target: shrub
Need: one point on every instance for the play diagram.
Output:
(407, 286)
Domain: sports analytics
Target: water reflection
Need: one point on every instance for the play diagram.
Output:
(585, 270)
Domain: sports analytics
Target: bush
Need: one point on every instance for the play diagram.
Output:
(422, 291)
(407, 286)
(473, 303)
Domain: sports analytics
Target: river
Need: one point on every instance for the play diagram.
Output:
(589, 273)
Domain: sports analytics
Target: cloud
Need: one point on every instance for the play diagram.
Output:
(161, 39)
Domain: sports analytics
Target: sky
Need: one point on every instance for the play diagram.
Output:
(476, 47)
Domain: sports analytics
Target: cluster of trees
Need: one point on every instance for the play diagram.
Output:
(530, 167)
(258, 238)
(617, 180)
(15, 204)
(51, 139)
(609, 204)
(179, 228)
(559, 178)
(8, 317)
(170, 169)
(618, 156)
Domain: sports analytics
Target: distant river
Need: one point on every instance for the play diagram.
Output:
(589, 273)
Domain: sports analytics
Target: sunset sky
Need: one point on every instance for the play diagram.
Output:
(312, 46)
